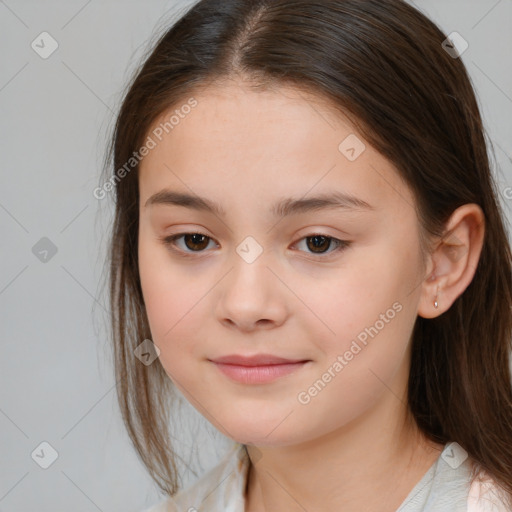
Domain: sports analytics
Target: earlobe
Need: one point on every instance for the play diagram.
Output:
(454, 261)
(432, 302)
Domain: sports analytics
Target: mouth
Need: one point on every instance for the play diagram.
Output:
(257, 369)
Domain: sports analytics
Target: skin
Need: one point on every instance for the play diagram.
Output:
(352, 447)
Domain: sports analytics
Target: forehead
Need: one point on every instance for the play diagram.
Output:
(279, 142)
(237, 107)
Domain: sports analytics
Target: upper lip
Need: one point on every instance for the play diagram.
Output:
(255, 360)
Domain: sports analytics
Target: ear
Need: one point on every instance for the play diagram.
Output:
(452, 265)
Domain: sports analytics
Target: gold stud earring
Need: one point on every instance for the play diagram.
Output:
(435, 302)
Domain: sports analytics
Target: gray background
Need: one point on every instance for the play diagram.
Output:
(56, 381)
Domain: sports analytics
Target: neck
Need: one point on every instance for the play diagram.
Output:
(371, 463)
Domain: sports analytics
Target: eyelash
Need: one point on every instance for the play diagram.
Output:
(170, 242)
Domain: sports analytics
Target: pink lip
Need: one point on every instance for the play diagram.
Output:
(257, 369)
(255, 360)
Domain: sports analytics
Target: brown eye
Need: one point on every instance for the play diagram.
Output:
(195, 241)
(319, 243)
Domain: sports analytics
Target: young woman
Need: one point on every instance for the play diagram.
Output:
(308, 245)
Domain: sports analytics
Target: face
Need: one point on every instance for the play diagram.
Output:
(332, 289)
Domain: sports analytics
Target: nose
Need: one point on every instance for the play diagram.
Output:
(251, 297)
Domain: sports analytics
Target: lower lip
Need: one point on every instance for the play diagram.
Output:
(258, 374)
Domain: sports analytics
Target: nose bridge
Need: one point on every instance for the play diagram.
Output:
(249, 267)
(250, 292)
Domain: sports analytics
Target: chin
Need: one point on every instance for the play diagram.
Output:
(263, 432)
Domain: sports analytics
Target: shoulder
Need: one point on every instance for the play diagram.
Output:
(486, 496)
(219, 489)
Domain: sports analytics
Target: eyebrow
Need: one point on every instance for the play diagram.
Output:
(285, 207)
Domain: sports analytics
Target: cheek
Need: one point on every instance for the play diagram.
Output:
(363, 361)
(365, 315)
(172, 299)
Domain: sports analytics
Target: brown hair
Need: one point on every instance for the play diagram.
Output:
(382, 64)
